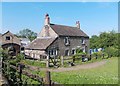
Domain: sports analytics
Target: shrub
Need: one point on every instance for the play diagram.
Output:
(79, 54)
(78, 51)
(19, 57)
(111, 51)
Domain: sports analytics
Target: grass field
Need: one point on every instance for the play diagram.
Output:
(106, 74)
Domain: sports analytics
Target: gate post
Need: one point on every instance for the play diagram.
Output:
(48, 78)
(20, 74)
(47, 61)
(62, 60)
(73, 59)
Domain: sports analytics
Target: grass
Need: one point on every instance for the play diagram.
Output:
(34, 63)
(106, 74)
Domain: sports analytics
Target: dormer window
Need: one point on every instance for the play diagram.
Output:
(67, 41)
(7, 37)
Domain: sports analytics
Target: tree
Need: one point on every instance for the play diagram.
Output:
(104, 40)
(26, 33)
(94, 41)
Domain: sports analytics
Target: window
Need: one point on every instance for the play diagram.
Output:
(82, 41)
(22, 48)
(83, 49)
(73, 51)
(66, 52)
(67, 41)
(56, 52)
(53, 52)
(7, 37)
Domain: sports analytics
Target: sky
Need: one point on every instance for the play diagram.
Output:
(94, 17)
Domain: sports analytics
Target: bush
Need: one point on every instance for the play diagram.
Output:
(78, 51)
(4, 54)
(111, 51)
(79, 54)
(17, 59)
(99, 54)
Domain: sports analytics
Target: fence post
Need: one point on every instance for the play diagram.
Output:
(20, 74)
(62, 60)
(90, 56)
(1, 66)
(48, 78)
(73, 59)
(83, 58)
(96, 56)
(103, 55)
(47, 62)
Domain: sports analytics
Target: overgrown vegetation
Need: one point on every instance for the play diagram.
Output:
(106, 40)
(12, 74)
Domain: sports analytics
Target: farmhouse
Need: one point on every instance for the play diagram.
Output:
(9, 40)
(58, 40)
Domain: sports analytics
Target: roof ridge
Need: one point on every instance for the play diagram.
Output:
(62, 25)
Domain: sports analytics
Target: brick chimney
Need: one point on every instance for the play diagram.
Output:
(47, 19)
(78, 24)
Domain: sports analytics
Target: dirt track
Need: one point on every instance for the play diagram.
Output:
(77, 67)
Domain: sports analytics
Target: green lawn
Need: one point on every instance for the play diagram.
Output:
(106, 74)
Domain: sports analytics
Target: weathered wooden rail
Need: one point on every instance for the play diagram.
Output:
(20, 69)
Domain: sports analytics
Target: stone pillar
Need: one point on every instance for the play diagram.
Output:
(47, 61)
(62, 60)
